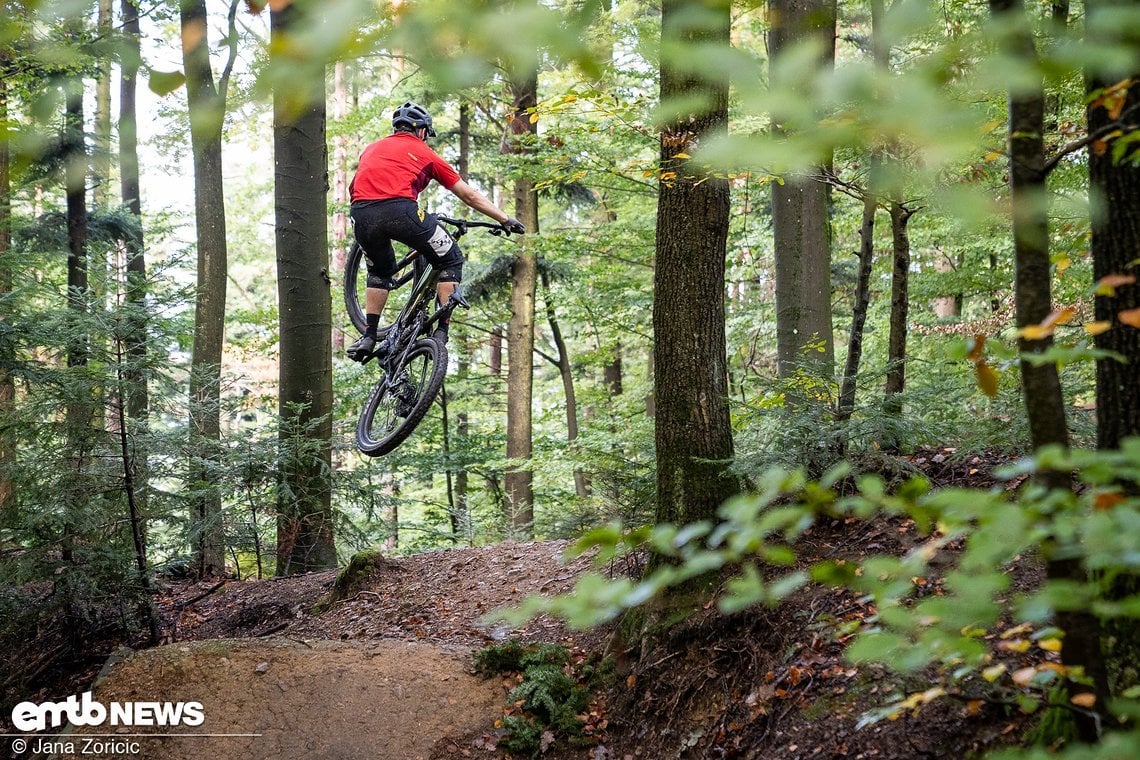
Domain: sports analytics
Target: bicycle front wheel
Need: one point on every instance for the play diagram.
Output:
(397, 405)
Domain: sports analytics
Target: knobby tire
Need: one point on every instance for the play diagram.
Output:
(426, 365)
(354, 272)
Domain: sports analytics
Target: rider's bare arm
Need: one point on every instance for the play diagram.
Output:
(477, 201)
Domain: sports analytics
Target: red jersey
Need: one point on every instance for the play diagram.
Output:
(399, 166)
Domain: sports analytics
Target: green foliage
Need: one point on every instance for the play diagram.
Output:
(552, 692)
(969, 540)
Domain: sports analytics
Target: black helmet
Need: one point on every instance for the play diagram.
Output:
(412, 116)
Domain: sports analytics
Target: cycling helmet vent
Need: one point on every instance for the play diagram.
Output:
(412, 116)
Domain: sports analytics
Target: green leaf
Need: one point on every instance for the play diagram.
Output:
(164, 82)
(877, 647)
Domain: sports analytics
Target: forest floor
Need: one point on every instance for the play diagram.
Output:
(386, 671)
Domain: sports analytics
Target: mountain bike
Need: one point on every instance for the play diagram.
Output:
(412, 362)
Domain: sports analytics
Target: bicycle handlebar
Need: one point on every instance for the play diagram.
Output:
(461, 225)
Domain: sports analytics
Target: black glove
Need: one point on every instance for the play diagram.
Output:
(513, 226)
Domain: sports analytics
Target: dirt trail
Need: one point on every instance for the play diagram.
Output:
(383, 673)
(303, 699)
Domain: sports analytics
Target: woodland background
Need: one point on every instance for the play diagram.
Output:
(806, 236)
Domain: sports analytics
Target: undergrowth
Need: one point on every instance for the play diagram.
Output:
(550, 698)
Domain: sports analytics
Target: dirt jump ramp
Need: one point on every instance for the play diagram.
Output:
(284, 698)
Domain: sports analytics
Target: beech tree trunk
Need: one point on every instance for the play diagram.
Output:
(305, 522)
(900, 310)
(565, 371)
(1115, 190)
(846, 405)
(800, 217)
(206, 102)
(340, 185)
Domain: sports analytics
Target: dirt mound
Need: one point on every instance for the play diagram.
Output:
(434, 596)
(282, 698)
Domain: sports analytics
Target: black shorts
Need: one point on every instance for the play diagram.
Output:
(377, 223)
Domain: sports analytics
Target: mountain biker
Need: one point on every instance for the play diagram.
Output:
(392, 173)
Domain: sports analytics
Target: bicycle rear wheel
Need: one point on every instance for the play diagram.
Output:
(355, 282)
(355, 277)
(394, 409)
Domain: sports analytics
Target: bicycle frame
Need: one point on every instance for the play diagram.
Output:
(407, 325)
(414, 360)
(425, 287)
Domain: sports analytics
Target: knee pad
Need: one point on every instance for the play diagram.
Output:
(383, 283)
(453, 273)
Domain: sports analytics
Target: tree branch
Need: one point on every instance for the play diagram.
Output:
(1089, 139)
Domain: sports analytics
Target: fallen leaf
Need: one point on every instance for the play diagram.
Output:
(991, 674)
(1023, 676)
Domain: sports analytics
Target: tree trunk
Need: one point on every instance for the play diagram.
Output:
(7, 386)
(693, 433)
(948, 305)
(800, 217)
(460, 515)
(565, 371)
(1115, 197)
(612, 373)
(206, 111)
(137, 401)
(518, 481)
(1041, 385)
(340, 186)
(101, 163)
(900, 312)
(1115, 190)
(495, 351)
(80, 407)
(846, 405)
(305, 522)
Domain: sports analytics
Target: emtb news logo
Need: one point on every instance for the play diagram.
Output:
(83, 711)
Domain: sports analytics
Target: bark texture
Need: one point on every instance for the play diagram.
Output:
(207, 107)
(1115, 189)
(305, 522)
(7, 386)
(1041, 385)
(693, 432)
(137, 401)
(800, 215)
(519, 480)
